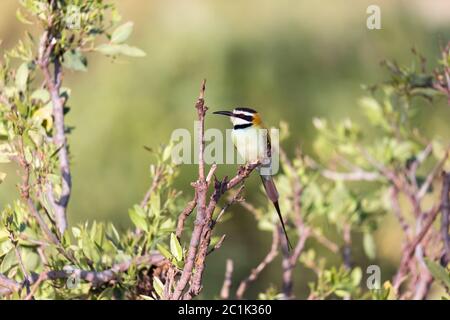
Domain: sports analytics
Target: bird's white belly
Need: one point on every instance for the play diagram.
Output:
(251, 143)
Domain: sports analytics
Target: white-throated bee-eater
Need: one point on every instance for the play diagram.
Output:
(252, 141)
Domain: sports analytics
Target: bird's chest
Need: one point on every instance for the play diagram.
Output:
(251, 143)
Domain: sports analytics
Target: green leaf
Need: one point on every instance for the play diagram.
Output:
(122, 33)
(155, 204)
(108, 49)
(22, 77)
(74, 60)
(22, 18)
(341, 293)
(31, 259)
(373, 110)
(127, 50)
(158, 286)
(175, 247)
(356, 276)
(369, 245)
(120, 49)
(8, 262)
(438, 272)
(41, 94)
(138, 219)
(76, 232)
(166, 253)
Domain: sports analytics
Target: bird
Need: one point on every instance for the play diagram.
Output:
(252, 141)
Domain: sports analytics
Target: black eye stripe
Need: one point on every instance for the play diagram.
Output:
(243, 117)
(242, 126)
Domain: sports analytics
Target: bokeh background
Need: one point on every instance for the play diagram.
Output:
(292, 60)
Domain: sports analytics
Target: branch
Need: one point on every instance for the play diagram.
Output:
(393, 191)
(8, 286)
(271, 255)
(185, 214)
(53, 84)
(96, 278)
(429, 179)
(225, 292)
(25, 194)
(408, 252)
(347, 249)
(445, 214)
(200, 238)
(155, 182)
(192, 204)
(327, 243)
(290, 261)
(358, 175)
(201, 189)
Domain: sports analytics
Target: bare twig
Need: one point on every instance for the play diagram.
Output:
(271, 255)
(53, 84)
(347, 249)
(200, 238)
(155, 182)
(217, 245)
(290, 261)
(408, 252)
(394, 194)
(225, 292)
(201, 189)
(327, 243)
(235, 198)
(445, 214)
(35, 287)
(201, 111)
(429, 179)
(359, 175)
(185, 214)
(8, 286)
(96, 278)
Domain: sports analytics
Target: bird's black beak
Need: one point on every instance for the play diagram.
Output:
(224, 113)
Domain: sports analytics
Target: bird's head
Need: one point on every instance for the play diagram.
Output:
(242, 117)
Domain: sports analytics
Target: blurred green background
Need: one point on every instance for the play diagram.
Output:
(292, 60)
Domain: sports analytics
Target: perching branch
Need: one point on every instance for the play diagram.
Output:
(201, 235)
(53, 83)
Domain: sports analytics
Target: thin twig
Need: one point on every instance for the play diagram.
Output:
(347, 249)
(201, 236)
(290, 261)
(96, 278)
(408, 252)
(359, 175)
(429, 179)
(271, 255)
(225, 291)
(445, 214)
(185, 214)
(155, 182)
(53, 84)
(327, 243)
(394, 194)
